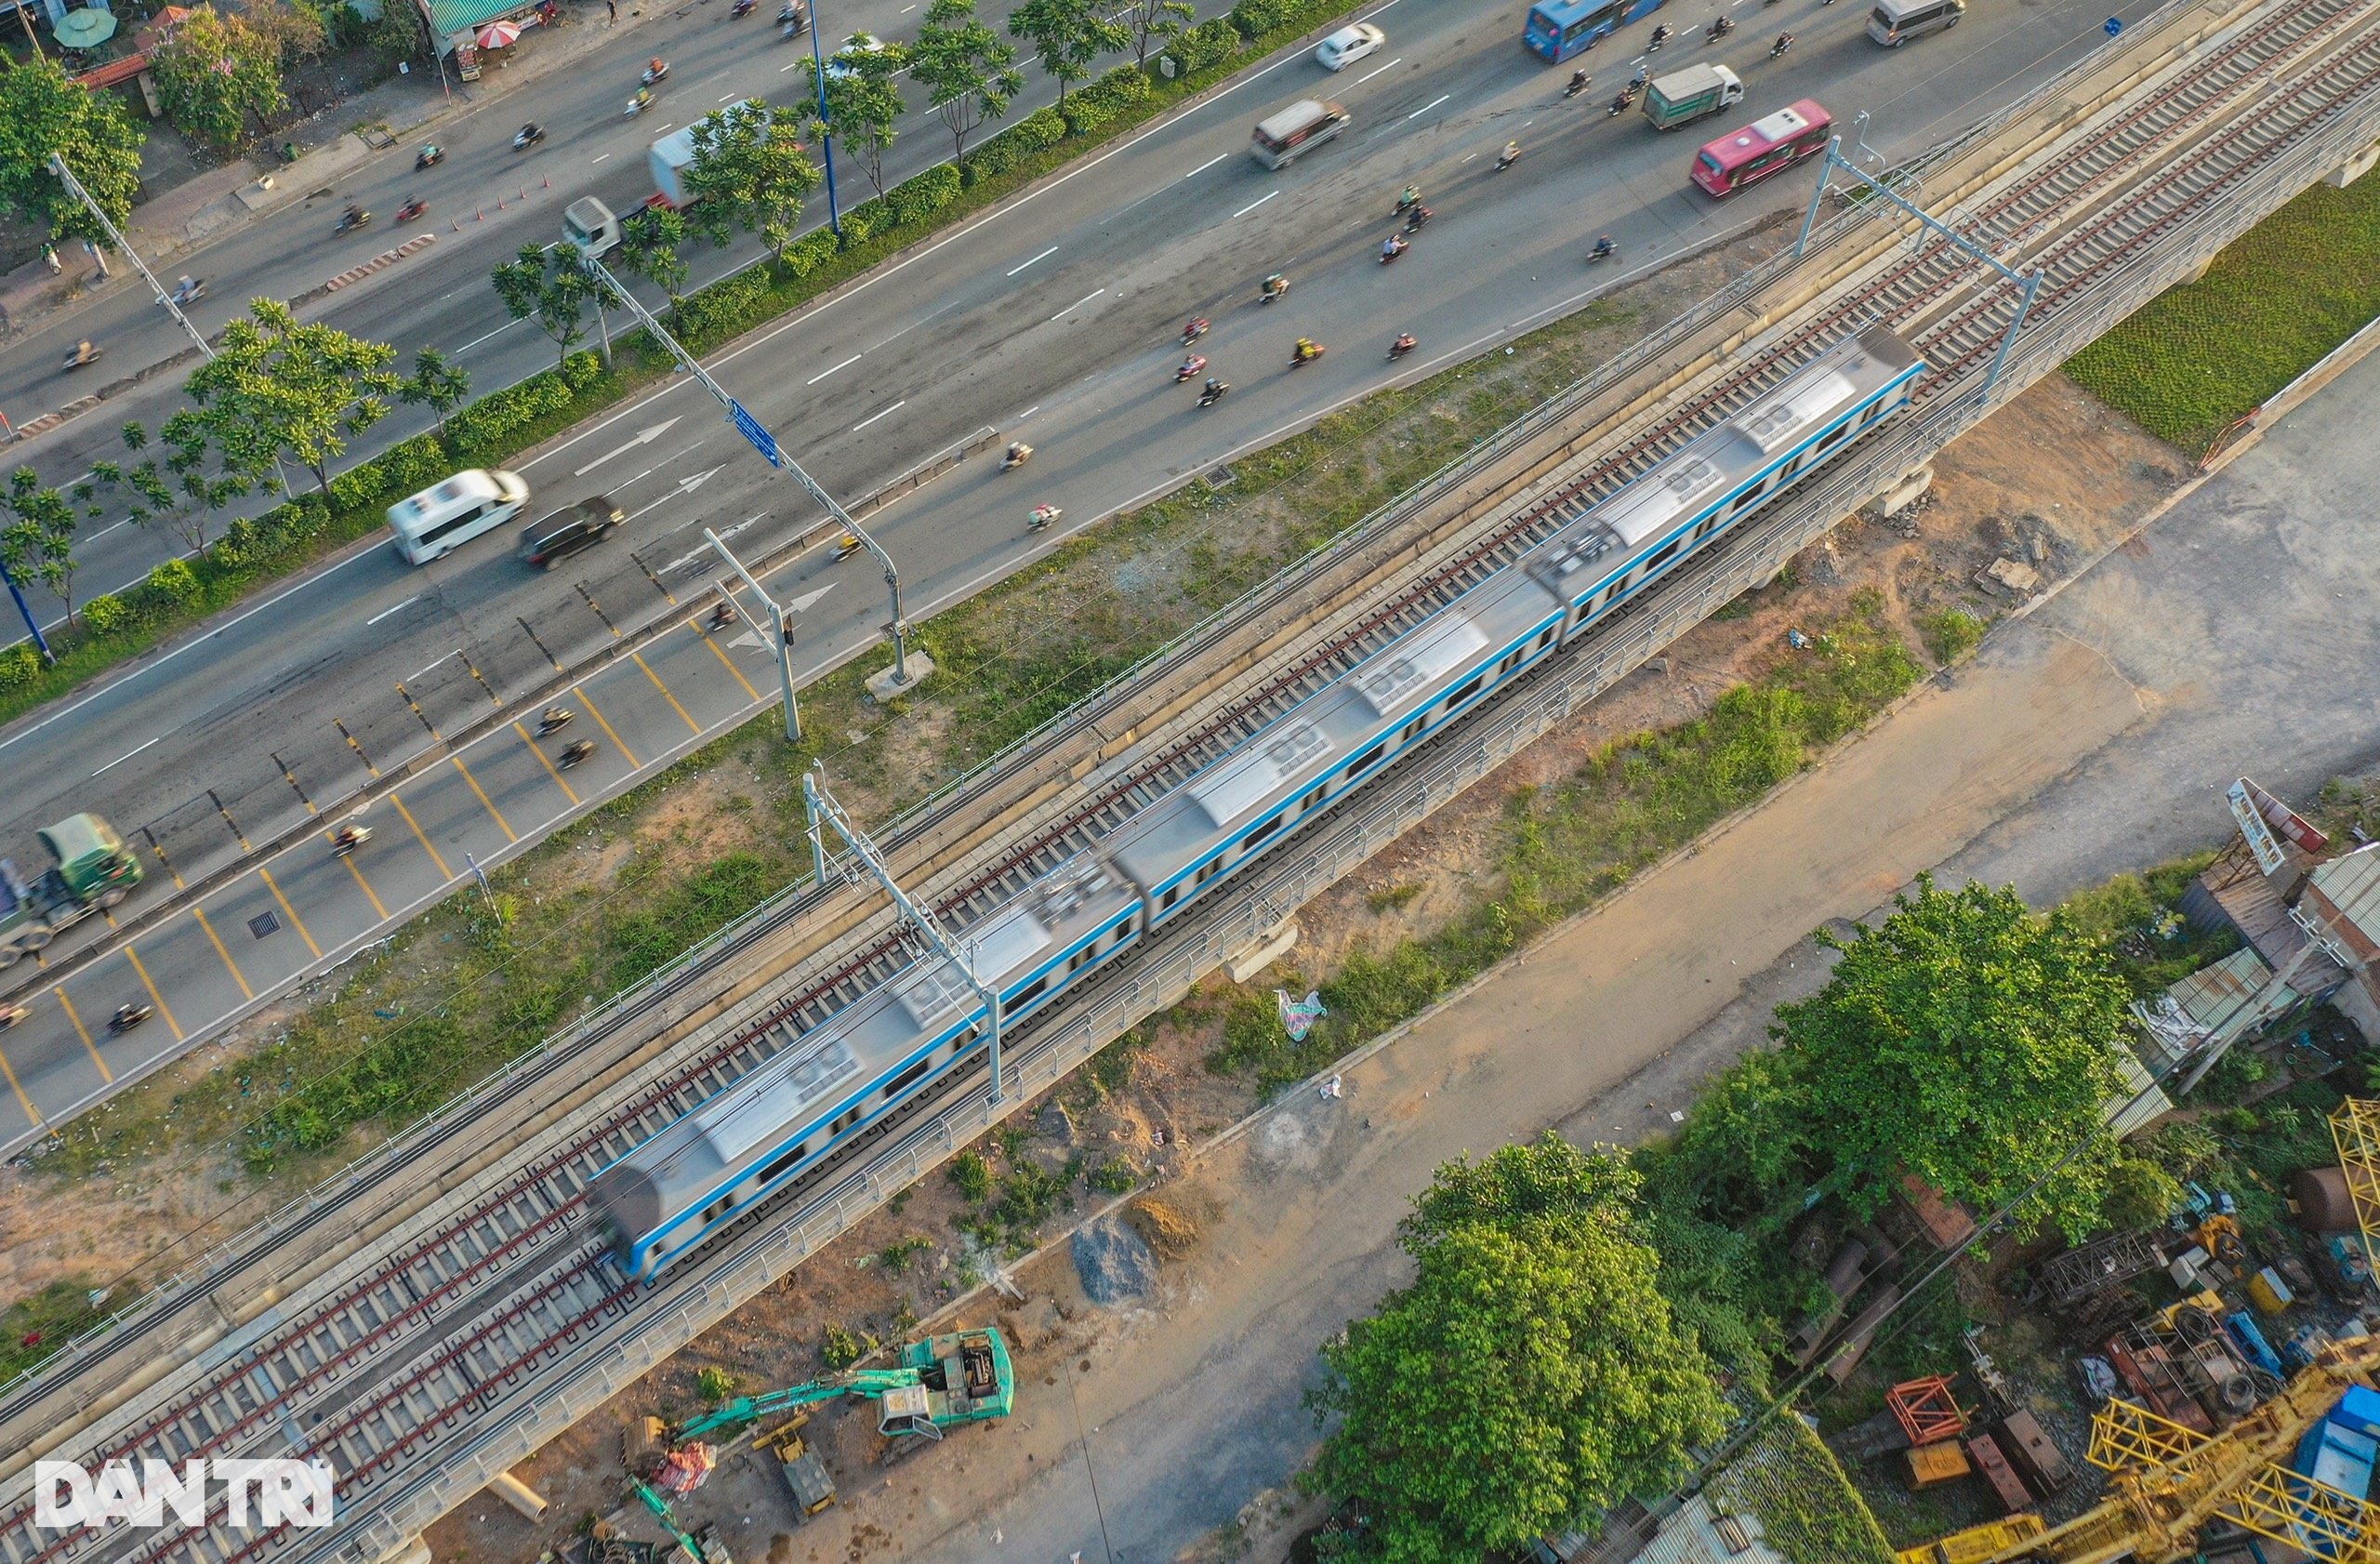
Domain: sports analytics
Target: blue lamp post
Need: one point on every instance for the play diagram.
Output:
(825, 136)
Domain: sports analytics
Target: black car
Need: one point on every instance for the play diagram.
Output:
(583, 525)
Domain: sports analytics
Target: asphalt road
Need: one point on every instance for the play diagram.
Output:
(2094, 737)
(1053, 318)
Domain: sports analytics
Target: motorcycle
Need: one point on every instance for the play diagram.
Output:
(1406, 202)
(742, 7)
(1418, 220)
(1391, 247)
(722, 615)
(641, 101)
(553, 719)
(429, 158)
(1195, 330)
(413, 208)
(348, 839)
(527, 136)
(1042, 516)
(656, 73)
(1660, 36)
(1404, 344)
(190, 290)
(846, 546)
(1620, 104)
(11, 1017)
(1019, 453)
(1214, 393)
(128, 1016)
(792, 21)
(1510, 155)
(82, 353)
(1578, 84)
(1605, 249)
(573, 754)
(1780, 47)
(1190, 369)
(353, 218)
(1718, 29)
(1274, 288)
(1305, 356)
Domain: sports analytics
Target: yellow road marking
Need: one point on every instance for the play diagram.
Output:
(200, 913)
(712, 642)
(84, 1033)
(298, 924)
(163, 1008)
(664, 691)
(349, 859)
(482, 795)
(422, 835)
(592, 710)
(23, 1101)
(547, 764)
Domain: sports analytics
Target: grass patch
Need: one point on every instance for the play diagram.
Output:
(1560, 849)
(2198, 357)
(32, 1329)
(1951, 634)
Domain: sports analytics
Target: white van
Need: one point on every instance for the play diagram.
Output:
(1894, 23)
(456, 511)
(1295, 130)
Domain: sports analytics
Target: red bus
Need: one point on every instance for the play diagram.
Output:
(1761, 148)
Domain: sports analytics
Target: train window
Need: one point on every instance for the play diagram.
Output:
(1706, 529)
(1172, 895)
(718, 1209)
(783, 1163)
(845, 1121)
(1027, 994)
(1747, 497)
(1312, 798)
(1363, 763)
(1261, 832)
(1206, 872)
(1544, 640)
(1459, 696)
(1837, 432)
(1413, 729)
(1074, 961)
(1512, 660)
(1664, 556)
(906, 1078)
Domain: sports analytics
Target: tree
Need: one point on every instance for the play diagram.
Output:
(179, 493)
(295, 32)
(214, 71)
(38, 527)
(649, 244)
(554, 286)
(277, 388)
(1067, 36)
(1155, 23)
(435, 384)
(1530, 1377)
(969, 75)
(750, 173)
(1970, 1043)
(864, 105)
(42, 113)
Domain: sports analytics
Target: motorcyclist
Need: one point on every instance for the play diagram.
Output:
(84, 351)
(1412, 196)
(1405, 343)
(1511, 154)
(657, 67)
(1195, 329)
(1784, 42)
(1276, 284)
(1579, 80)
(1306, 350)
(349, 838)
(1017, 451)
(1662, 34)
(1212, 389)
(1604, 247)
(643, 100)
(531, 133)
(1722, 27)
(1417, 218)
(185, 288)
(1391, 247)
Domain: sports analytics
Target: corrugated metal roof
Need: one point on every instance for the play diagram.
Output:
(2214, 994)
(2352, 882)
(1691, 1536)
(450, 17)
(2143, 1102)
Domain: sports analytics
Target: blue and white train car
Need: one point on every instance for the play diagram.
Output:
(666, 1197)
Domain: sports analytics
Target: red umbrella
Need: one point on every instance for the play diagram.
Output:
(495, 35)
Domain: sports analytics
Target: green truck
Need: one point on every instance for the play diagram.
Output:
(90, 869)
(1685, 96)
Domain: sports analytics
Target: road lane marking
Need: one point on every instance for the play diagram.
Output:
(163, 1008)
(588, 701)
(349, 859)
(125, 756)
(385, 612)
(423, 836)
(1427, 107)
(888, 412)
(477, 340)
(1209, 163)
(845, 365)
(84, 1033)
(298, 924)
(216, 940)
(23, 1101)
(599, 159)
(1369, 74)
(657, 684)
(712, 642)
(474, 782)
(1253, 205)
(644, 437)
(1043, 256)
(1026, 414)
(1077, 304)
(548, 764)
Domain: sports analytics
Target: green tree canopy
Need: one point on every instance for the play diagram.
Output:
(752, 173)
(551, 285)
(1530, 1376)
(1152, 24)
(1969, 1042)
(1067, 36)
(180, 493)
(436, 384)
(41, 114)
(278, 388)
(38, 525)
(969, 75)
(215, 70)
(649, 244)
(864, 104)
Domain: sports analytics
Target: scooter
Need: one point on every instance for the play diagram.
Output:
(1510, 155)
(1190, 369)
(1391, 248)
(128, 1016)
(1042, 516)
(722, 615)
(1404, 344)
(352, 220)
(190, 290)
(1578, 84)
(82, 353)
(348, 839)
(413, 208)
(643, 100)
(792, 21)
(846, 546)
(573, 754)
(1018, 454)
(1605, 249)
(1416, 219)
(1299, 361)
(1720, 29)
(742, 7)
(1780, 47)
(1274, 290)
(527, 136)
(553, 719)
(1406, 202)
(1195, 330)
(429, 158)
(1660, 36)
(1208, 398)
(1620, 104)
(657, 73)
(11, 1017)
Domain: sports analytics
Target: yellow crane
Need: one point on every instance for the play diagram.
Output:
(2170, 1481)
(2354, 1129)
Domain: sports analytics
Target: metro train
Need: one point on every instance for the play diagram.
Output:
(664, 1198)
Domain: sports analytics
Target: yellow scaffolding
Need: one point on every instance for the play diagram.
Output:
(2355, 1128)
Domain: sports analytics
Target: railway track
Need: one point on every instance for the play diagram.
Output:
(375, 1370)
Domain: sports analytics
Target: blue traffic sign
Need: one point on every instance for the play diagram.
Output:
(2112, 26)
(762, 441)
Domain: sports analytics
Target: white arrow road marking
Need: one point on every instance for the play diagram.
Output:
(806, 599)
(644, 437)
(685, 486)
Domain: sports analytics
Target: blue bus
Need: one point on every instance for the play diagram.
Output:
(1558, 29)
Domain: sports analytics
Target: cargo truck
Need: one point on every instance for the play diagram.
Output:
(671, 156)
(90, 869)
(1685, 96)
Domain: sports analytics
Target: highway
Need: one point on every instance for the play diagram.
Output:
(1053, 317)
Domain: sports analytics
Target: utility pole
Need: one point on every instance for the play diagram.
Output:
(826, 135)
(785, 640)
(765, 442)
(821, 807)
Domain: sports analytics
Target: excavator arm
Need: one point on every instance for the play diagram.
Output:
(734, 1415)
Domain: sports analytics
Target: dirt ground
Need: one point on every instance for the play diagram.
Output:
(2052, 479)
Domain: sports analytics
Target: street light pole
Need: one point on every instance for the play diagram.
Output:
(825, 136)
(899, 628)
(785, 638)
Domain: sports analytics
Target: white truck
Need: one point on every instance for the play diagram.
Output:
(671, 156)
